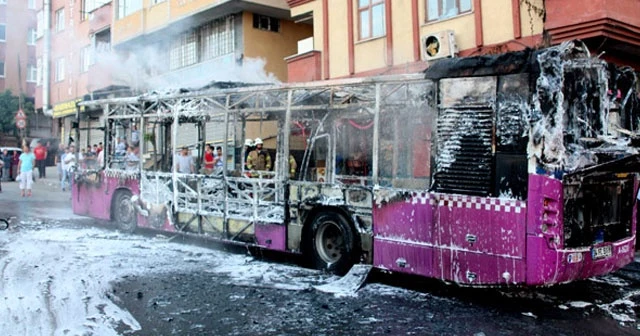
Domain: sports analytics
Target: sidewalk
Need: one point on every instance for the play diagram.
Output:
(47, 198)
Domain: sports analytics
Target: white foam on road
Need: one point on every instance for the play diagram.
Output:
(55, 280)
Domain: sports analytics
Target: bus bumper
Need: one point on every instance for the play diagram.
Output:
(546, 266)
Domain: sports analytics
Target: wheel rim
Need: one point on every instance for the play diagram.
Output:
(329, 242)
(125, 210)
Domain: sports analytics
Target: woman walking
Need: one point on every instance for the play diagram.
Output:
(25, 166)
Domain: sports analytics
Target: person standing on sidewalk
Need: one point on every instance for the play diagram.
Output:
(6, 170)
(26, 162)
(1, 172)
(58, 160)
(68, 165)
(41, 159)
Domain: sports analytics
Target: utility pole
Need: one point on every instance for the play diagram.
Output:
(46, 56)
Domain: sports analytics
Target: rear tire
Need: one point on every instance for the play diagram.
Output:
(123, 212)
(332, 243)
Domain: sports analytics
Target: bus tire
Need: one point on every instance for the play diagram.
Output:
(123, 212)
(333, 243)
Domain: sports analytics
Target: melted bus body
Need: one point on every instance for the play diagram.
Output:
(515, 169)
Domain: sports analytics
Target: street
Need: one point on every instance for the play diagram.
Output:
(67, 275)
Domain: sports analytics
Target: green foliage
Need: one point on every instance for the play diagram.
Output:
(9, 105)
(151, 138)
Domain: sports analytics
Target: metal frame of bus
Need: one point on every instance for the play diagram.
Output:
(418, 230)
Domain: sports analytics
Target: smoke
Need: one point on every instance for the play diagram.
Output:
(147, 69)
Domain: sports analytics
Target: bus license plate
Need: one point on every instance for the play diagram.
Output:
(601, 252)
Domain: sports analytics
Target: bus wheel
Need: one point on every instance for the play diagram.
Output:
(123, 212)
(333, 243)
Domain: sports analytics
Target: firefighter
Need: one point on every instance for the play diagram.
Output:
(258, 159)
(293, 165)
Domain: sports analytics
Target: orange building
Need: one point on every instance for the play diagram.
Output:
(17, 46)
(70, 34)
(370, 37)
(189, 43)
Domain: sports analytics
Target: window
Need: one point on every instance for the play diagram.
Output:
(88, 6)
(372, 18)
(86, 58)
(31, 4)
(3, 32)
(40, 24)
(184, 51)
(3, 2)
(1, 69)
(60, 20)
(263, 22)
(32, 73)
(39, 71)
(443, 9)
(206, 42)
(32, 36)
(60, 69)
(128, 7)
(217, 38)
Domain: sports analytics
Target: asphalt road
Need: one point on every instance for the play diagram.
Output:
(62, 274)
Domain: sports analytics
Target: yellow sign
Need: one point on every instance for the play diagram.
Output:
(66, 108)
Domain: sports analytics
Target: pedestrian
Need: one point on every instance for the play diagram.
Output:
(219, 160)
(26, 162)
(1, 172)
(68, 165)
(40, 153)
(121, 149)
(184, 162)
(6, 169)
(58, 160)
(208, 160)
(135, 135)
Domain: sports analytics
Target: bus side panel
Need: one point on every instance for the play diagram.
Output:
(271, 236)
(472, 268)
(547, 261)
(403, 232)
(481, 239)
(94, 199)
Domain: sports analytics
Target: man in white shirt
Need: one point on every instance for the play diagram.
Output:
(184, 162)
(68, 165)
(135, 135)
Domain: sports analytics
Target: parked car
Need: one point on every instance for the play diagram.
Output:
(14, 152)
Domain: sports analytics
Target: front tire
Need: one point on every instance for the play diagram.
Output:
(123, 212)
(333, 243)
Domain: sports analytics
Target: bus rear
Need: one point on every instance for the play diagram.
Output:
(533, 173)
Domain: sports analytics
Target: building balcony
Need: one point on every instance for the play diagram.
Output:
(604, 25)
(305, 66)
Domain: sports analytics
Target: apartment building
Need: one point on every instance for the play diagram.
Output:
(371, 37)
(18, 51)
(17, 46)
(70, 35)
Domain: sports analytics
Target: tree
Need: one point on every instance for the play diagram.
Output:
(9, 105)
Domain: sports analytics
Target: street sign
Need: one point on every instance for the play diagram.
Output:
(20, 115)
(21, 123)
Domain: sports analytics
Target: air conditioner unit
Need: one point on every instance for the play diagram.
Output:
(439, 45)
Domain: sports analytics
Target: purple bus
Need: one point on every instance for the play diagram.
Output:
(514, 169)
